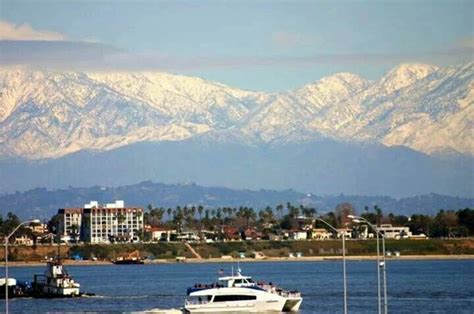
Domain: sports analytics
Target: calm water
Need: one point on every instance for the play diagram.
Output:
(413, 286)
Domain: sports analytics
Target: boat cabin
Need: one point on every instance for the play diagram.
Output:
(236, 281)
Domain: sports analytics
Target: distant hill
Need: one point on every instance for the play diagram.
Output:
(323, 167)
(44, 203)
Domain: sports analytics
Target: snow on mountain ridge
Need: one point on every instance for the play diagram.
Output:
(405, 75)
(51, 113)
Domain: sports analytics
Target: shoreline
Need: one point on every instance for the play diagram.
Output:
(254, 260)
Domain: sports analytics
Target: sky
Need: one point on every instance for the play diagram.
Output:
(256, 45)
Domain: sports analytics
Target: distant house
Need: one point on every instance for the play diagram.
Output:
(161, 234)
(320, 234)
(275, 237)
(391, 232)
(346, 232)
(188, 236)
(251, 234)
(39, 229)
(305, 223)
(231, 233)
(298, 235)
(23, 240)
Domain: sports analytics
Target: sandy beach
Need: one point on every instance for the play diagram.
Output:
(267, 259)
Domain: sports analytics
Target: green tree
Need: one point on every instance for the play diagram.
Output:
(279, 209)
(466, 219)
(248, 214)
(378, 214)
(342, 211)
(420, 224)
(54, 223)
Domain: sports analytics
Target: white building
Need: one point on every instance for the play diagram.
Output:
(112, 222)
(162, 234)
(298, 235)
(95, 223)
(391, 232)
(321, 234)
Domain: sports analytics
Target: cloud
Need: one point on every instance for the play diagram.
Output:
(465, 43)
(97, 56)
(55, 54)
(290, 39)
(9, 31)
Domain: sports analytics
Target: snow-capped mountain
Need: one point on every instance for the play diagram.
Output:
(50, 114)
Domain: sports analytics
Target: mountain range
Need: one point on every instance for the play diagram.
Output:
(408, 133)
(47, 114)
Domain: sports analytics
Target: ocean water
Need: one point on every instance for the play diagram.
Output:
(413, 286)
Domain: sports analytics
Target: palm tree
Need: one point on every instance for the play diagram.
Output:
(169, 211)
(178, 218)
(378, 212)
(248, 213)
(200, 210)
(294, 212)
(279, 209)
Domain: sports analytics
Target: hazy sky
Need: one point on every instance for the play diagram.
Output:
(259, 45)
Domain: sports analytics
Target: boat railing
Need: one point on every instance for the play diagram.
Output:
(276, 290)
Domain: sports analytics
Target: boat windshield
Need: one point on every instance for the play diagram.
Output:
(243, 282)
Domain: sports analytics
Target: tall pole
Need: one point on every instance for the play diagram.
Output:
(344, 270)
(344, 277)
(378, 234)
(6, 275)
(385, 301)
(378, 274)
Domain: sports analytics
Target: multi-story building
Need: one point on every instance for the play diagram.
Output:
(111, 222)
(70, 225)
(95, 223)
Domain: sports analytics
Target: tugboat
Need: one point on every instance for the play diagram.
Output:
(238, 293)
(11, 287)
(131, 259)
(55, 283)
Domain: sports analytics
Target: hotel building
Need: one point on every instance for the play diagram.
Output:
(107, 223)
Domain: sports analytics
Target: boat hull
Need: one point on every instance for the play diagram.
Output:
(263, 301)
(239, 306)
(129, 262)
(46, 291)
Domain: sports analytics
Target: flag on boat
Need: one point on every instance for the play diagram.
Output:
(220, 271)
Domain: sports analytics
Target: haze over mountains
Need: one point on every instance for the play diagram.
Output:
(43, 203)
(408, 133)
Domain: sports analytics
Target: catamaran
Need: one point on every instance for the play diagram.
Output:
(239, 293)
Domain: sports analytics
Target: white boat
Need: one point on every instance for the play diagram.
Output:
(240, 294)
(56, 282)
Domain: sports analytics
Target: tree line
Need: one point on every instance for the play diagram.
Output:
(446, 223)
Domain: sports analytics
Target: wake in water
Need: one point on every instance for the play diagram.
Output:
(164, 311)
